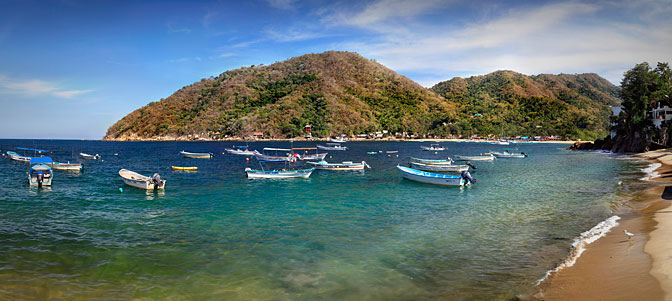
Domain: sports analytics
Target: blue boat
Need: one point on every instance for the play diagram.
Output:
(282, 173)
(18, 157)
(40, 173)
(431, 178)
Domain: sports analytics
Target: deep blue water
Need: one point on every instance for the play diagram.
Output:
(337, 235)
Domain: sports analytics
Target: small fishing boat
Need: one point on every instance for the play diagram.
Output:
(332, 146)
(433, 147)
(431, 178)
(89, 157)
(240, 150)
(67, 166)
(508, 153)
(391, 152)
(184, 168)
(263, 157)
(436, 167)
(448, 161)
(278, 173)
(346, 165)
(484, 157)
(16, 157)
(502, 142)
(137, 180)
(338, 140)
(371, 153)
(308, 157)
(40, 173)
(196, 155)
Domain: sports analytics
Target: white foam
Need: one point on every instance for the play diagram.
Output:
(650, 171)
(580, 243)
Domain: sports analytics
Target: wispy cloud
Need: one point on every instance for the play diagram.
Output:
(36, 87)
(186, 59)
(293, 34)
(282, 4)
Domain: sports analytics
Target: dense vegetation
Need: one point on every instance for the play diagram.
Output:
(506, 103)
(344, 93)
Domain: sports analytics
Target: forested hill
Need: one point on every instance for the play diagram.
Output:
(508, 103)
(345, 93)
(335, 92)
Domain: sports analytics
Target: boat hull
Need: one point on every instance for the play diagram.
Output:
(430, 178)
(334, 148)
(184, 168)
(89, 157)
(431, 161)
(262, 157)
(137, 180)
(444, 168)
(67, 166)
(16, 157)
(508, 155)
(278, 174)
(313, 157)
(474, 158)
(239, 152)
(338, 166)
(196, 155)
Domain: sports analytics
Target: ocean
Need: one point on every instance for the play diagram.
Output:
(353, 235)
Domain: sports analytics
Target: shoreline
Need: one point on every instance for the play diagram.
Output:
(327, 140)
(617, 268)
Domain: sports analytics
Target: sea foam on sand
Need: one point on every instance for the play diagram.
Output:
(580, 243)
(650, 171)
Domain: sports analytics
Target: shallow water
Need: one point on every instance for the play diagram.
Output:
(371, 235)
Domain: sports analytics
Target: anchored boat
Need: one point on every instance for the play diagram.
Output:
(431, 178)
(16, 157)
(66, 166)
(240, 150)
(437, 167)
(277, 173)
(196, 155)
(89, 157)
(346, 165)
(509, 153)
(485, 157)
(40, 173)
(432, 161)
(433, 147)
(332, 146)
(137, 180)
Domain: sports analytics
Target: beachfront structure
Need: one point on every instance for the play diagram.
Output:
(615, 111)
(658, 115)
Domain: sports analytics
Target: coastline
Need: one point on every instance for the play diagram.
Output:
(172, 139)
(617, 268)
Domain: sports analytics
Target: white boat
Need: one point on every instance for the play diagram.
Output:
(448, 161)
(263, 157)
(346, 165)
(90, 157)
(16, 157)
(433, 147)
(509, 154)
(308, 157)
(66, 166)
(502, 142)
(137, 180)
(268, 174)
(196, 155)
(332, 146)
(488, 157)
(239, 150)
(435, 167)
(431, 178)
(40, 173)
(338, 140)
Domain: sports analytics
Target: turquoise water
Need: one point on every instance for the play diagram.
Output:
(338, 235)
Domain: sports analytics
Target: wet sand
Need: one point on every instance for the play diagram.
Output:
(617, 268)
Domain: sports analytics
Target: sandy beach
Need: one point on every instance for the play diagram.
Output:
(617, 268)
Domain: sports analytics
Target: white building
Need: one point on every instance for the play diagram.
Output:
(615, 111)
(658, 115)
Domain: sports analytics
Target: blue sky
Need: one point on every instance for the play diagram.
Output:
(70, 69)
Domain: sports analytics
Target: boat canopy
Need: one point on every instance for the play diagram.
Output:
(32, 149)
(277, 149)
(43, 160)
(304, 147)
(241, 146)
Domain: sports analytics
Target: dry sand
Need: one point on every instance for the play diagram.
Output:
(617, 268)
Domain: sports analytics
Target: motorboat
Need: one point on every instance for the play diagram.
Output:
(16, 157)
(291, 173)
(89, 157)
(508, 153)
(431, 178)
(439, 168)
(40, 173)
(264, 157)
(306, 156)
(67, 166)
(196, 155)
(240, 150)
(448, 161)
(484, 157)
(332, 146)
(338, 140)
(433, 147)
(137, 180)
(346, 165)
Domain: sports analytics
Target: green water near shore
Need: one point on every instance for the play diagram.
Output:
(215, 234)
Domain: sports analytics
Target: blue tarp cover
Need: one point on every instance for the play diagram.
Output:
(36, 160)
(31, 149)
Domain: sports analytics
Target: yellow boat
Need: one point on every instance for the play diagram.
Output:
(184, 168)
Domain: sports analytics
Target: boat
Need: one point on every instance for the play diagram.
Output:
(184, 168)
(437, 167)
(431, 178)
(196, 155)
(66, 166)
(332, 146)
(502, 142)
(391, 152)
(240, 150)
(448, 161)
(40, 173)
(89, 157)
(371, 153)
(308, 157)
(345, 165)
(137, 180)
(338, 140)
(276, 174)
(433, 147)
(484, 157)
(508, 153)
(263, 157)
(16, 157)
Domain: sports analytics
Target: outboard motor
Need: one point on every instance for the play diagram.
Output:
(467, 176)
(40, 178)
(156, 179)
(471, 165)
(524, 154)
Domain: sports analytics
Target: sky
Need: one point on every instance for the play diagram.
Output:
(69, 69)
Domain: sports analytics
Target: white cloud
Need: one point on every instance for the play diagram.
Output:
(36, 87)
(282, 4)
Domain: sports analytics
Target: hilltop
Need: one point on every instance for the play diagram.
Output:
(345, 93)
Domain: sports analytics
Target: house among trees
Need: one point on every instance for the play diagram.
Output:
(258, 135)
(658, 115)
